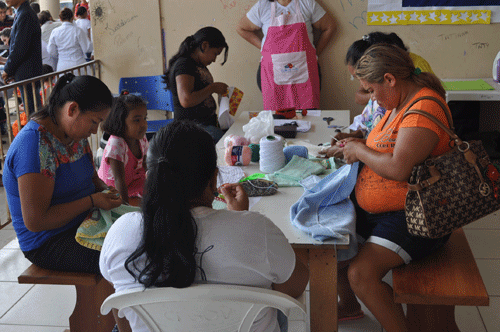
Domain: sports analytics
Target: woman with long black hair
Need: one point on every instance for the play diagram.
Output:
(178, 239)
(192, 84)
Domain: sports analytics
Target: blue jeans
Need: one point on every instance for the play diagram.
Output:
(282, 321)
(214, 131)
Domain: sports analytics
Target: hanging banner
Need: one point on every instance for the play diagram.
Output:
(425, 12)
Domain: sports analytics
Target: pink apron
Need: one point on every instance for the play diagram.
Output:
(289, 67)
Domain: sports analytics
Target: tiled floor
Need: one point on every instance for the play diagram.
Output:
(42, 308)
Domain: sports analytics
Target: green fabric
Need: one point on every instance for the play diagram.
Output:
(94, 228)
(253, 177)
(296, 170)
(467, 85)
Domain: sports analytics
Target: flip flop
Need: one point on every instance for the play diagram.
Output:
(359, 316)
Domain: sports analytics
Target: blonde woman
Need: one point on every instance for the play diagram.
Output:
(389, 154)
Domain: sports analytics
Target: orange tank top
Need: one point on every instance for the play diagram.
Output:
(376, 194)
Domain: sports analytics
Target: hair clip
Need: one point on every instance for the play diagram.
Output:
(365, 37)
(417, 71)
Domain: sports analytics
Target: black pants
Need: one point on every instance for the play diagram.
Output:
(62, 253)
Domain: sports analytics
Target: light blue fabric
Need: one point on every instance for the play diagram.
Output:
(295, 150)
(325, 210)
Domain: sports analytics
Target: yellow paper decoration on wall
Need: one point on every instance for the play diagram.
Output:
(429, 17)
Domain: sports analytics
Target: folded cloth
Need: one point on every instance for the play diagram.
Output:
(94, 228)
(296, 170)
(302, 125)
(325, 210)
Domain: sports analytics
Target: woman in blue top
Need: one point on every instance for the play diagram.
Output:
(50, 179)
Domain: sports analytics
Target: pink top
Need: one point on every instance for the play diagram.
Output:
(289, 67)
(135, 170)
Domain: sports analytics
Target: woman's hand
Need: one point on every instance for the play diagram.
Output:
(111, 190)
(106, 201)
(219, 87)
(334, 151)
(356, 134)
(350, 147)
(236, 197)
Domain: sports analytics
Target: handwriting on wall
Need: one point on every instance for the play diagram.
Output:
(460, 35)
(241, 6)
(356, 12)
(123, 22)
(450, 36)
(119, 40)
(480, 45)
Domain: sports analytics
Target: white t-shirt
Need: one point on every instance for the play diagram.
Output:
(239, 247)
(69, 44)
(83, 23)
(260, 14)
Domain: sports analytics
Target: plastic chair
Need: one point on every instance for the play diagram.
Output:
(200, 307)
(152, 89)
(155, 125)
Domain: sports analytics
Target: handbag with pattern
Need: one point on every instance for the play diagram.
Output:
(451, 190)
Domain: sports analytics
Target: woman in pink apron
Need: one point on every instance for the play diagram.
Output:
(289, 68)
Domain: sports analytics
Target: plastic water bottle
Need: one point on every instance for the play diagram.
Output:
(496, 68)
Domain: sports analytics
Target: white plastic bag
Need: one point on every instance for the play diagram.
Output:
(259, 126)
(225, 119)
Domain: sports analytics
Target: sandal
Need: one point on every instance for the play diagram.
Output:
(360, 315)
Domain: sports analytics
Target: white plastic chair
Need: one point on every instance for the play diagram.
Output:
(200, 307)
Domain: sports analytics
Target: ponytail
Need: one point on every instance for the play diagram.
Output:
(185, 50)
(212, 35)
(90, 93)
(429, 80)
(175, 178)
(384, 58)
(359, 47)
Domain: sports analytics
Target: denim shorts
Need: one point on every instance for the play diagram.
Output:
(389, 230)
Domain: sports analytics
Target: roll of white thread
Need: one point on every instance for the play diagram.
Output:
(272, 157)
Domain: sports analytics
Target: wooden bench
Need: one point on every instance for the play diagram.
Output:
(91, 290)
(433, 286)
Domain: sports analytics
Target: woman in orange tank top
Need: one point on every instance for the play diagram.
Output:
(389, 154)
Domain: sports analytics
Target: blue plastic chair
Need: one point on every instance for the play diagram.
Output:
(155, 125)
(152, 90)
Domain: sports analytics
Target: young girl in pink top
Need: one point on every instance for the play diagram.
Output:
(123, 162)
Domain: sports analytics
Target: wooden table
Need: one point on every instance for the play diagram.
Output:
(322, 257)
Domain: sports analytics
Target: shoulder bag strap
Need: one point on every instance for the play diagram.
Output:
(440, 103)
(450, 132)
(464, 148)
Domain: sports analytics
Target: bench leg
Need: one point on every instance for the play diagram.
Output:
(87, 313)
(431, 318)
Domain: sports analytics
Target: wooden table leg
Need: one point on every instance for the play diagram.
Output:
(432, 318)
(323, 290)
(87, 316)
